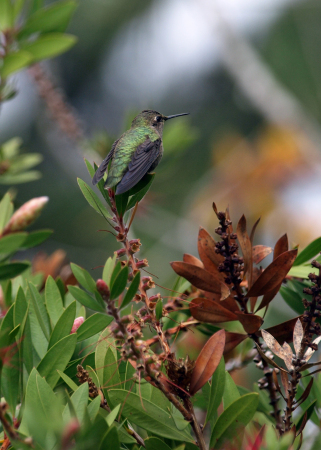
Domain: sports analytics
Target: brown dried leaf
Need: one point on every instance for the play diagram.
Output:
(208, 311)
(260, 252)
(207, 361)
(228, 303)
(303, 424)
(232, 340)
(225, 291)
(285, 382)
(190, 259)
(245, 244)
(256, 272)
(266, 358)
(254, 229)
(281, 246)
(272, 343)
(267, 298)
(283, 331)
(287, 355)
(215, 208)
(310, 351)
(308, 366)
(276, 382)
(297, 336)
(199, 277)
(250, 322)
(206, 251)
(274, 274)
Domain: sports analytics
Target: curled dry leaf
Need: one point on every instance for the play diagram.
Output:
(260, 252)
(266, 358)
(197, 276)
(206, 250)
(285, 383)
(250, 322)
(274, 274)
(206, 310)
(287, 355)
(310, 351)
(232, 340)
(190, 259)
(272, 343)
(207, 361)
(245, 244)
(297, 336)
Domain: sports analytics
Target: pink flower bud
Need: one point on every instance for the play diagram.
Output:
(103, 289)
(77, 322)
(25, 215)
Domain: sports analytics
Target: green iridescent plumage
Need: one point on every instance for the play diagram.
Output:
(137, 152)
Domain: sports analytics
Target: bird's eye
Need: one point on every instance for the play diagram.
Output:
(158, 118)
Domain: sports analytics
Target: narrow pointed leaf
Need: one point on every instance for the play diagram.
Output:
(234, 418)
(93, 325)
(285, 382)
(266, 358)
(245, 243)
(206, 250)
(250, 322)
(281, 246)
(309, 252)
(132, 290)
(208, 311)
(232, 340)
(119, 284)
(310, 351)
(274, 274)
(260, 252)
(306, 392)
(287, 355)
(207, 361)
(199, 277)
(93, 199)
(272, 343)
(190, 259)
(297, 336)
(11, 270)
(85, 299)
(64, 325)
(83, 277)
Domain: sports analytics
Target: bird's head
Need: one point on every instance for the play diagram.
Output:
(152, 118)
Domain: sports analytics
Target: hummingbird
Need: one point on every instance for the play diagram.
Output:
(137, 152)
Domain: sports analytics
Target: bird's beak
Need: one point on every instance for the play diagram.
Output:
(175, 115)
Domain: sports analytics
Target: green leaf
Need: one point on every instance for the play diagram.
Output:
(64, 325)
(101, 187)
(302, 271)
(6, 210)
(235, 417)
(13, 62)
(108, 269)
(20, 307)
(159, 310)
(293, 299)
(23, 162)
(148, 416)
(309, 252)
(106, 361)
(115, 273)
(309, 412)
(36, 237)
(153, 443)
(119, 284)
(146, 180)
(90, 168)
(110, 439)
(12, 270)
(231, 392)
(10, 376)
(93, 325)
(56, 358)
(132, 290)
(40, 310)
(79, 400)
(12, 242)
(51, 18)
(19, 178)
(93, 375)
(142, 192)
(93, 408)
(53, 300)
(6, 15)
(216, 393)
(93, 199)
(68, 380)
(121, 203)
(112, 416)
(49, 45)
(85, 299)
(83, 277)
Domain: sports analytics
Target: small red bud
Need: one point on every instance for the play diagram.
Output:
(142, 263)
(103, 289)
(121, 252)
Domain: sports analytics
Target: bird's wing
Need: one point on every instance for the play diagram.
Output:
(103, 166)
(143, 158)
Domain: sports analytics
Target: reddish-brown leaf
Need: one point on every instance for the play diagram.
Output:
(215, 208)
(260, 252)
(297, 336)
(283, 331)
(206, 251)
(199, 277)
(232, 340)
(207, 361)
(274, 274)
(225, 292)
(306, 393)
(206, 310)
(285, 383)
(250, 322)
(256, 272)
(190, 259)
(267, 298)
(281, 246)
(276, 383)
(253, 230)
(245, 243)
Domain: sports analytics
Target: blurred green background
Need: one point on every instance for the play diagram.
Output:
(250, 75)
